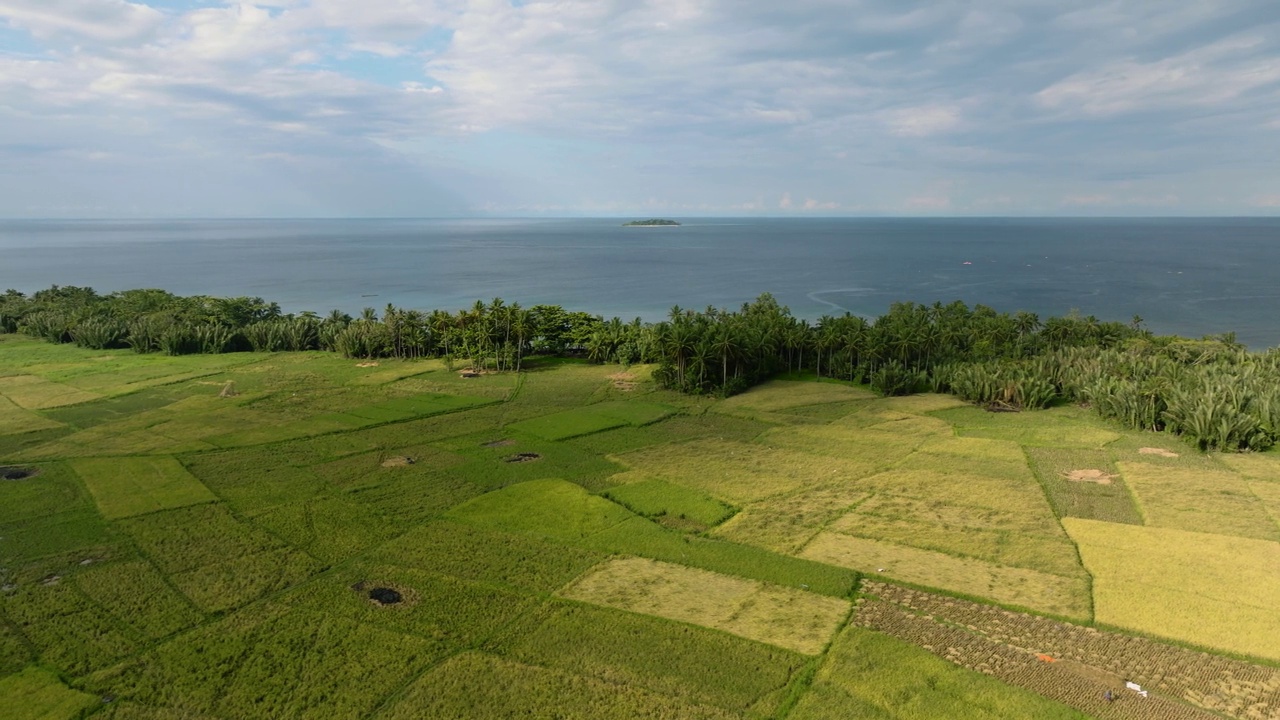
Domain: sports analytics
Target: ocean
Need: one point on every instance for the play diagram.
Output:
(1193, 276)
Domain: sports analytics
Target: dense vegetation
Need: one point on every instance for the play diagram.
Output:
(576, 541)
(1212, 391)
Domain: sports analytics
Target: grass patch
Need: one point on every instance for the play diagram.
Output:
(37, 694)
(874, 676)
(123, 487)
(1199, 500)
(1210, 590)
(1043, 592)
(658, 498)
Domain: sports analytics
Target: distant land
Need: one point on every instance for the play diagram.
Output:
(652, 222)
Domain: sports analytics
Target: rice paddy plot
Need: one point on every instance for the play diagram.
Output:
(1211, 590)
(123, 487)
(484, 687)
(592, 419)
(668, 502)
(793, 619)
(67, 631)
(47, 489)
(138, 596)
(112, 409)
(778, 395)
(78, 531)
(456, 612)
(786, 523)
(329, 527)
(37, 694)
(1199, 499)
(1054, 427)
(875, 676)
(1032, 589)
(1255, 466)
(1084, 483)
(15, 420)
(673, 659)
(551, 508)
(739, 473)
(863, 452)
(216, 560)
(32, 392)
(1213, 682)
(477, 554)
(998, 536)
(271, 662)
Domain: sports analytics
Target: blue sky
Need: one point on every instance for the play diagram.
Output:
(182, 108)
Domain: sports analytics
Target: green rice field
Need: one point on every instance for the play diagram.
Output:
(296, 535)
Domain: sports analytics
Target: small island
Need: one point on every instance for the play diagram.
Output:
(652, 222)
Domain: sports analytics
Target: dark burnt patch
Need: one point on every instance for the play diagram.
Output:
(523, 457)
(13, 472)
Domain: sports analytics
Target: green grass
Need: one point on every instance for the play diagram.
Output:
(37, 694)
(657, 498)
(136, 594)
(271, 663)
(874, 676)
(196, 556)
(552, 508)
(123, 487)
(1112, 501)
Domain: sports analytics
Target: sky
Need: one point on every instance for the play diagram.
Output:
(424, 108)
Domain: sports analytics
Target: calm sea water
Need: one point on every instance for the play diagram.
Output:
(1189, 276)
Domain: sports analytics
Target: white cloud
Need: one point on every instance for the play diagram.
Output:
(1209, 75)
(101, 20)
(922, 121)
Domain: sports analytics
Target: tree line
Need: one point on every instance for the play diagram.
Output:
(1212, 390)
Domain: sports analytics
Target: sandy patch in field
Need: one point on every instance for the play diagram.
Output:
(1161, 452)
(398, 461)
(367, 364)
(773, 614)
(1089, 475)
(624, 381)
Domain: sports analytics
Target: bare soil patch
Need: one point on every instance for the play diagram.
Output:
(368, 364)
(398, 461)
(1161, 452)
(1090, 475)
(228, 390)
(624, 381)
(523, 457)
(17, 473)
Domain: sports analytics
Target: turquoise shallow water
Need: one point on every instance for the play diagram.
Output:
(1190, 276)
